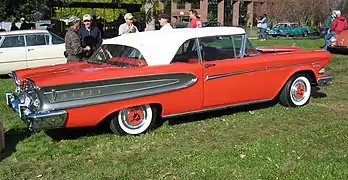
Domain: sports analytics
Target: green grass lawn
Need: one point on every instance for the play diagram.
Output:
(256, 142)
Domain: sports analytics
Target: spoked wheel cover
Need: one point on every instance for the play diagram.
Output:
(300, 91)
(135, 120)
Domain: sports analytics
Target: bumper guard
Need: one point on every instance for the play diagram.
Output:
(37, 121)
(326, 80)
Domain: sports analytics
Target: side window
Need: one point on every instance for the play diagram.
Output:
(36, 40)
(221, 47)
(250, 49)
(13, 41)
(187, 52)
(56, 39)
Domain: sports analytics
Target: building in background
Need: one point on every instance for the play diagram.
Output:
(227, 12)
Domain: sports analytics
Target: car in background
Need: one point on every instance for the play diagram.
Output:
(130, 84)
(30, 48)
(339, 43)
(289, 29)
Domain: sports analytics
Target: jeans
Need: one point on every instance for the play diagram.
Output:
(327, 38)
(263, 33)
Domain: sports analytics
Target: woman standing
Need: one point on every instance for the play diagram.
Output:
(264, 26)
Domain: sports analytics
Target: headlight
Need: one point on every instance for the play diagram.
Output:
(322, 71)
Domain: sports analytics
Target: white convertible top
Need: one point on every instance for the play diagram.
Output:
(159, 47)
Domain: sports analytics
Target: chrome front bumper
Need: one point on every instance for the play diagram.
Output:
(37, 121)
(327, 80)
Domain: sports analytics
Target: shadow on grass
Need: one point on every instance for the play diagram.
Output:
(5, 76)
(317, 94)
(103, 128)
(219, 113)
(12, 138)
(76, 133)
(230, 111)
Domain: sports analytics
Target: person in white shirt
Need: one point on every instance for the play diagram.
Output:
(128, 26)
(164, 21)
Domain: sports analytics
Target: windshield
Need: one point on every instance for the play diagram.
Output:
(118, 55)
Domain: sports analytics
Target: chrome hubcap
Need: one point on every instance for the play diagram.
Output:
(134, 117)
(298, 90)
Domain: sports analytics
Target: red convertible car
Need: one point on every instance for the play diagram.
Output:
(136, 79)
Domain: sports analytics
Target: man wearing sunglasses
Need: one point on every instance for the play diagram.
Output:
(128, 26)
(90, 35)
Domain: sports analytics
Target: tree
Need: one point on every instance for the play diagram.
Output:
(26, 8)
(305, 12)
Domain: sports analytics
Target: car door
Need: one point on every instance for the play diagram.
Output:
(12, 53)
(229, 77)
(40, 52)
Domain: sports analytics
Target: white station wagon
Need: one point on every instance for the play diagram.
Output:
(30, 48)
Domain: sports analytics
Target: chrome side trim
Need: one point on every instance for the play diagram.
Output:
(233, 73)
(104, 91)
(217, 108)
(217, 76)
(327, 80)
(289, 65)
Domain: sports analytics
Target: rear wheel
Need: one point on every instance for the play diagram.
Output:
(305, 34)
(134, 120)
(296, 92)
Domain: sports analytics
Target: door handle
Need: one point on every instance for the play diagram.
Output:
(30, 49)
(209, 65)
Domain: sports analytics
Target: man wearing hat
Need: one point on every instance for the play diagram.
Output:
(128, 26)
(164, 20)
(73, 48)
(90, 35)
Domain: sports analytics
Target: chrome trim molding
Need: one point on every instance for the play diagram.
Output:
(288, 65)
(327, 80)
(233, 73)
(217, 108)
(110, 90)
(217, 76)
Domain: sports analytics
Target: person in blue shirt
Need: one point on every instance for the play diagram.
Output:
(264, 25)
(90, 35)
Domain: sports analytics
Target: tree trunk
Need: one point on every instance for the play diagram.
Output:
(2, 137)
(149, 11)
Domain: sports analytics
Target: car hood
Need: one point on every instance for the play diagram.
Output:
(66, 73)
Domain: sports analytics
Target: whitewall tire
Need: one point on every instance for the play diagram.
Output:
(134, 120)
(296, 92)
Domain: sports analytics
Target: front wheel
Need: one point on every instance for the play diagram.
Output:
(296, 92)
(134, 120)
